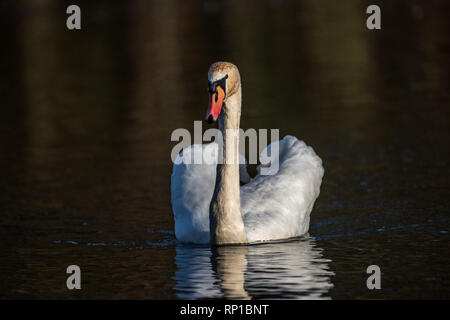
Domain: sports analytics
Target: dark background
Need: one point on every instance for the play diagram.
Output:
(86, 118)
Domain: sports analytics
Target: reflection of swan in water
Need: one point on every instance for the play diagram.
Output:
(230, 264)
(287, 270)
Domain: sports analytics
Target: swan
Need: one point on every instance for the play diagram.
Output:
(208, 203)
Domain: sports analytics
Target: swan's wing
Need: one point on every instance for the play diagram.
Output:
(278, 206)
(192, 187)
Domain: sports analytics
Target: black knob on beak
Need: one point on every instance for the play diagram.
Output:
(210, 119)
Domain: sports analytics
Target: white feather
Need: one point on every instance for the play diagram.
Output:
(272, 206)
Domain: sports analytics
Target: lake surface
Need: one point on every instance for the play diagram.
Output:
(85, 146)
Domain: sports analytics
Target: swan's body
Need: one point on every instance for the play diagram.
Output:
(208, 203)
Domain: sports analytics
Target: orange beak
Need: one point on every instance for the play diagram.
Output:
(215, 105)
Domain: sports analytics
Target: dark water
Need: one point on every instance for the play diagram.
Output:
(85, 145)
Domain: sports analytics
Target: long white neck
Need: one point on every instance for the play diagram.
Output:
(226, 225)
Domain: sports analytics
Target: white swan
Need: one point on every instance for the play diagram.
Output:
(208, 202)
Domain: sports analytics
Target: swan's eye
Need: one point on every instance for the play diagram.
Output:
(216, 95)
(211, 87)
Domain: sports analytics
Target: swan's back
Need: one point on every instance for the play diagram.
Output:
(273, 206)
(278, 206)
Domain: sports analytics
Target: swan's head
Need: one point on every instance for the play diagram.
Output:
(223, 82)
